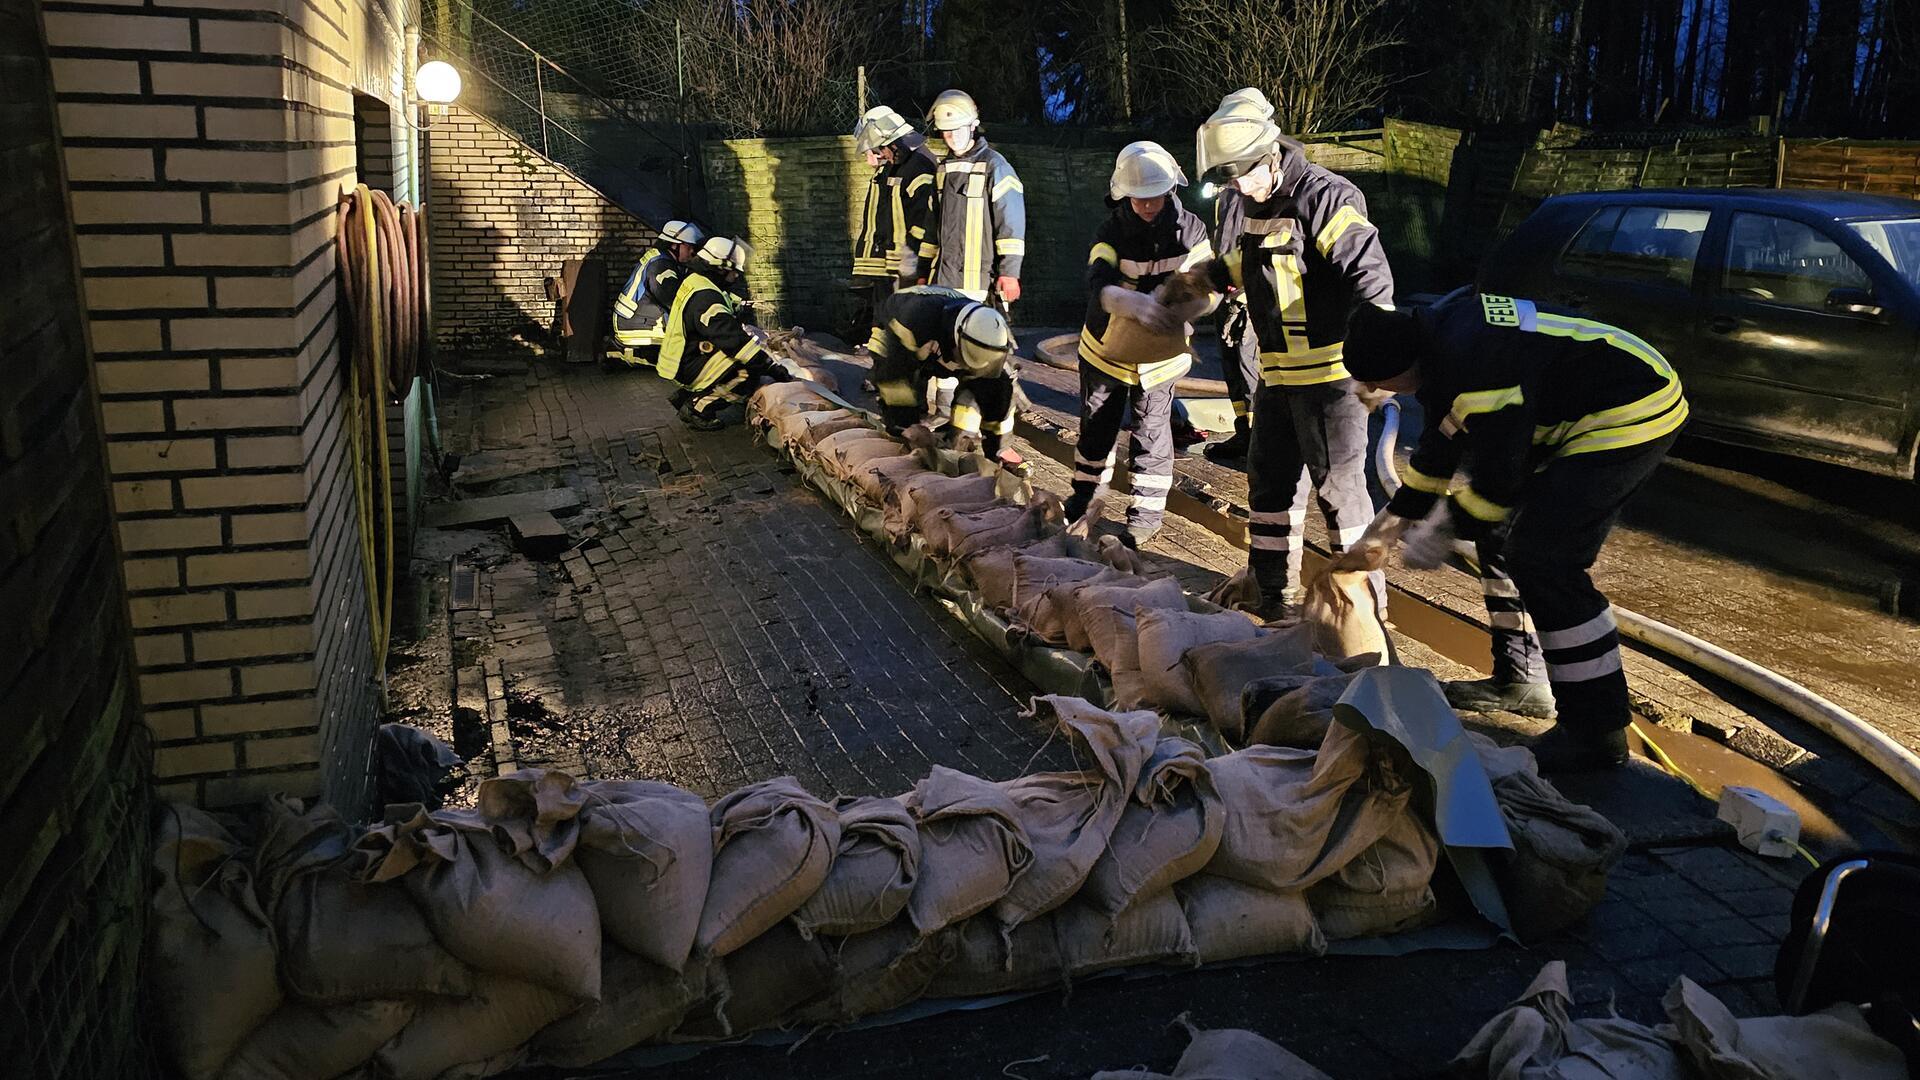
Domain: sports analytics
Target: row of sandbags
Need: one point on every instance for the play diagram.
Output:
(1164, 650)
(563, 922)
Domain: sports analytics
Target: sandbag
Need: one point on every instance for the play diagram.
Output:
(1036, 520)
(485, 905)
(873, 870)
(1340, 607)
(1129, 595)
(874, 477)
(1221, 670)
(534, 814)
(992, 570)
(1384, 890)
(1229, 1054)
(778, 399)
(1562, 851)
(1113, 636)
(1042, 592)
(1301, 716)
(985, 962)
(647, 851)
(918, 494)
(879, 971)
(481, 1034)
(1833, 1044)
(802, 431)
(1186, 295)
(1535, 1039)
(831, 451)
(639, 1000)
(309, 1042)
(210, 966)
(772, 847)
(1231, 920)
(342, 940)
(1165, 637)
(1295, 816)
(1169, 830)
(1069, 816)
(972, 847)
(759, 983)
(951, 531)
(849, 458)
(1152, 930)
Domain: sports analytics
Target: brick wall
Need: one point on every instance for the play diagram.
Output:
(504, 218)
(207, 145)
(72, 779)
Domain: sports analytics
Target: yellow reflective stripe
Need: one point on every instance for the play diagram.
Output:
(748, 351)
(1240, 409)
(674, 347)
(966, 418)
(897, 393)
(1633, 412)
(929, 251)
(1479, 506)
(1343, 219)
(1148, 375)
(1199, 253)
(711, 371)
(706, 317)
(865, 241)
(651, 335)
(899, 207)
(872, 266)
(1304, 367)
(1233, 259)
(914, 185)
(1588, 330)
(1619, 438)
(970, 262)
(918, 348)
(1484, 401)
(1105, 253)
(1419, 481)
(1006, 184)
(1004, 425)
(1009, 246)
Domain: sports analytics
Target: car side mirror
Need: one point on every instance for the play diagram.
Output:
(1854, 302)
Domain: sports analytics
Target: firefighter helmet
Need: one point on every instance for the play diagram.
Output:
(952, 110)
(1247, 101)
(1231, 146)
(681, 232)
(985, 340)
(881, 126)
(1144, 170)
(725, 253)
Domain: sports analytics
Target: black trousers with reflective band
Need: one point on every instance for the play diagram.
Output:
(1555, 535)
(1307, 440)
(732, 387)
(867, 295)
(1104, 402)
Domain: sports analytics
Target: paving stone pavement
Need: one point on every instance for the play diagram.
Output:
(721, 624)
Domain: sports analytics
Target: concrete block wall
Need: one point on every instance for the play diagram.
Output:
(207, 146)
(503, 219)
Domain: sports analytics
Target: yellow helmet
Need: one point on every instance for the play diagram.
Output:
(1230, 146)
(881, 126)
(1144, 170)
(952, 110)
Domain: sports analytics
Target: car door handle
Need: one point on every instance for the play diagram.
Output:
(1723, 324)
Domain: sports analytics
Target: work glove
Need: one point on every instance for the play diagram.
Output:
(1428, 543)
(1140, 307)
(1007, 287)
(1376, 543)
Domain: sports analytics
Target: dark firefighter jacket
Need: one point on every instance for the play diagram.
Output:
(894, 218)
(705, 336)
(1139, 255)
(977, 228)
(914, 339)
(647, 295)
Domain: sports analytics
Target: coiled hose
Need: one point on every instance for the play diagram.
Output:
(381, 249)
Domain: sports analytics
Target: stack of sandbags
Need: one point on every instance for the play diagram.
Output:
(1301, 711)
(1127, 592)
(1221, 670)
(992, 571)
(973, 847)
(773, 846)
(799, 432)
(1041, 596)
(1562, 851)
(1166, 636)
(956, 531)
(917, 494)
(843, 453)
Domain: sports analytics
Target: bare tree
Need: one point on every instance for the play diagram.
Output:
(1318, 60)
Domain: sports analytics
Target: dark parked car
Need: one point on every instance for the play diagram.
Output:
(1793, 317)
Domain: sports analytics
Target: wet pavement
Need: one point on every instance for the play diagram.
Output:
(718, 623)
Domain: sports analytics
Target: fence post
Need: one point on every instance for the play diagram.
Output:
(860, 76)
(540, 103)
(1779, 161)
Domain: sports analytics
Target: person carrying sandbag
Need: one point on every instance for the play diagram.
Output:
(928, 333)
(1135, 344)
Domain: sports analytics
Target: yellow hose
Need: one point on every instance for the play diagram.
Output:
(362, 415)
(1665, 761)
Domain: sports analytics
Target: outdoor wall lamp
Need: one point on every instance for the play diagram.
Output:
(437, 83)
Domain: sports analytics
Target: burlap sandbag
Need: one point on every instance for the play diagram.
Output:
(1070, 816)
(310, 1042)
(1835, 1043)
(802, 431)
(879, 971)
(1231, 920)
(1169, 830)
(874, 477)
(1187, 296)
(916, 495)
(992, 570)
(210, 968)
(1165, 638)
(952, 531)
(1301, 716)
(638, 1001)
(647, 851)
(1042, 592)
(342, 940)
(972, 847)
(534, 813)
(1128, 595)
(485, 905)
(873, 870)
(478, 1035)
(1562, 851)
(1296, 816)
(1229, 1054)
(776, 399)
(987, 962)
(1151, 930)
(1340, 607)
(772, 847)
(1385, 889)
(851, 457)
(759, 983)
(1113, 637)
(1221, 670)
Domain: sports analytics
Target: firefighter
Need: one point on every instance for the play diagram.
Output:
(899, 194)
(1239, 344)
(977, 232)
(708, 350)
(1148, 237)
(1539, 427)
(926, 332)
(1306, 257)
(649, 291)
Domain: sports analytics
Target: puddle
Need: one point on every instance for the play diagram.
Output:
(1714, 767)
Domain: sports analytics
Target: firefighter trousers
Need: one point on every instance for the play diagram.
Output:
(731, 388)
(1104, 404)
(868, 294)
(1540, 572)
(1306, 440)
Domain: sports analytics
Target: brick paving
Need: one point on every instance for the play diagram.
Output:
(719, 623)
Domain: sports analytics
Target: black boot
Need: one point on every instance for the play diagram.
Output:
(1231, 451)
(693, 419)
(1560, 749)
(1487, 695)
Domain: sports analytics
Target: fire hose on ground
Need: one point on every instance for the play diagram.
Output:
(381, 252)
(1896, 762)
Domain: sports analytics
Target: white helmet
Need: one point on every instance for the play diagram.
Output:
(881, 126)
(952, 110)
(725, 253)
(1247, 101)
(1144, 170)
(1230, 146)
(681, 232)
(985, 340)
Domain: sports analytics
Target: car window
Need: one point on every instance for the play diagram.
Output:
(1648, 245)
(1782, 261)
(1898, 242)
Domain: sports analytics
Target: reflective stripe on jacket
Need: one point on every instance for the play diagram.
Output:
(894, 216)
(639, 308)
(1139, 255)
(704, 335)
(979, 229)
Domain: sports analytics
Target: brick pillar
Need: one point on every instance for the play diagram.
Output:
(207, 149)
